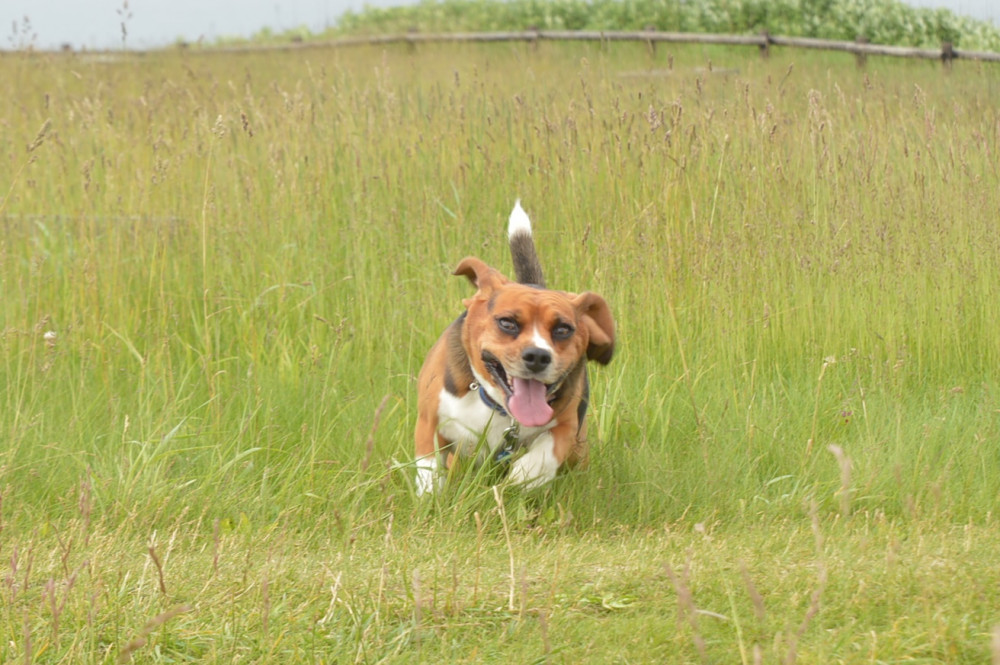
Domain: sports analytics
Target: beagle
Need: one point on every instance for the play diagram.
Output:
(511, 372)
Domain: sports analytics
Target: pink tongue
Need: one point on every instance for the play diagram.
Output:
(528, 404)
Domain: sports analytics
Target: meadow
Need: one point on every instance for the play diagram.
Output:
(220, 275)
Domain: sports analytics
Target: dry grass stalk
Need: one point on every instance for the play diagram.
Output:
(159, 568)
(40, 136)
(215, 546)
(758, 600)
(265, 606)
(370, 444)
(57, 609)
(523, 586)
(686, 609)
(845, 478)
(418, 600)
(86, 505)
(543, 627)
(830, 360)
(140, 640)
(479, 556)
(814, 601)
(26, 632)
(510, 550)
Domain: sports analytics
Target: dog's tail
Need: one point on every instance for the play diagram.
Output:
(527, 268)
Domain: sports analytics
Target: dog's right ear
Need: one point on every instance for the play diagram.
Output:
(596, 316)
(483, 277)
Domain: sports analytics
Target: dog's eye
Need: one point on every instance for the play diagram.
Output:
(562, 331)
(508, 325)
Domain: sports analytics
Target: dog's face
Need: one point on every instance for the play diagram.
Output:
(523, 342)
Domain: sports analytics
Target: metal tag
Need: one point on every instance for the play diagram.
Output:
(509, 443)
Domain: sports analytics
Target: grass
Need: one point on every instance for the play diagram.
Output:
(221, 273)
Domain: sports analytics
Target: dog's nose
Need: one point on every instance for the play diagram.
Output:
(536, 359)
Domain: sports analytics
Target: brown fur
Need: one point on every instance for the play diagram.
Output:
(450, 363)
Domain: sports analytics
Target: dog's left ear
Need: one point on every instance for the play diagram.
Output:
(482, 276)
(594, 313)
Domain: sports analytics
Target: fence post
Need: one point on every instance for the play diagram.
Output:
(765, 45)
(947, 54)
(860, 57)
(650, 44)
(409, 38)
(533, 38)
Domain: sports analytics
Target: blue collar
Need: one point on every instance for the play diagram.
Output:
(511, 441)
(489, 401)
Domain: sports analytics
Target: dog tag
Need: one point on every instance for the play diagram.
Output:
(509, 441)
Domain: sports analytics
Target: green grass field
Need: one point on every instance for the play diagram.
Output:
(220, 275)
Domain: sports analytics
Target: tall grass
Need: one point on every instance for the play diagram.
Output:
(221, 275)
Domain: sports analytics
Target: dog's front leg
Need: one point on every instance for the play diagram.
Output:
(538, 465)
(429, 478)
(428, 457)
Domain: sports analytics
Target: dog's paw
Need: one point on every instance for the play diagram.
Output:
(428, 479)
(536, 467)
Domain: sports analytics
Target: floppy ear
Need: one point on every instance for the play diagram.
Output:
(483, 277)
(596, 316)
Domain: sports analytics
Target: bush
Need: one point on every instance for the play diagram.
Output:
(881, 21)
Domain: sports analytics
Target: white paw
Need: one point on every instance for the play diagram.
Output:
(537, 466)
(428, 479)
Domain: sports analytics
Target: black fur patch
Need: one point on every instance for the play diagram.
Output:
(458, 371)
(527, 268)
(449, 381)
(581, 408)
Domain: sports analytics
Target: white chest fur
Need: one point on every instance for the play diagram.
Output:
(467, 422)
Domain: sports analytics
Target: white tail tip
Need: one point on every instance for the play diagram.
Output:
(519, 222)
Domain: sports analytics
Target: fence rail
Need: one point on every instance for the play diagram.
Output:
(763, 41)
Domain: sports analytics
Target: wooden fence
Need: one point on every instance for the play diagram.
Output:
(764, 41)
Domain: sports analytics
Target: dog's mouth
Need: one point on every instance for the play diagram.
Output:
(527, 399)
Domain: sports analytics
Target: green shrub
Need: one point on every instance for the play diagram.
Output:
(881, 21)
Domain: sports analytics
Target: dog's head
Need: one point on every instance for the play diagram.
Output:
(523, 341)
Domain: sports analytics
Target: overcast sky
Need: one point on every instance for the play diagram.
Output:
(97, 23)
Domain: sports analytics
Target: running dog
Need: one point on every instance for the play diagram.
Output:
(511, 371)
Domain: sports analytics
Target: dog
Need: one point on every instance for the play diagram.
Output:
(511, 371)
